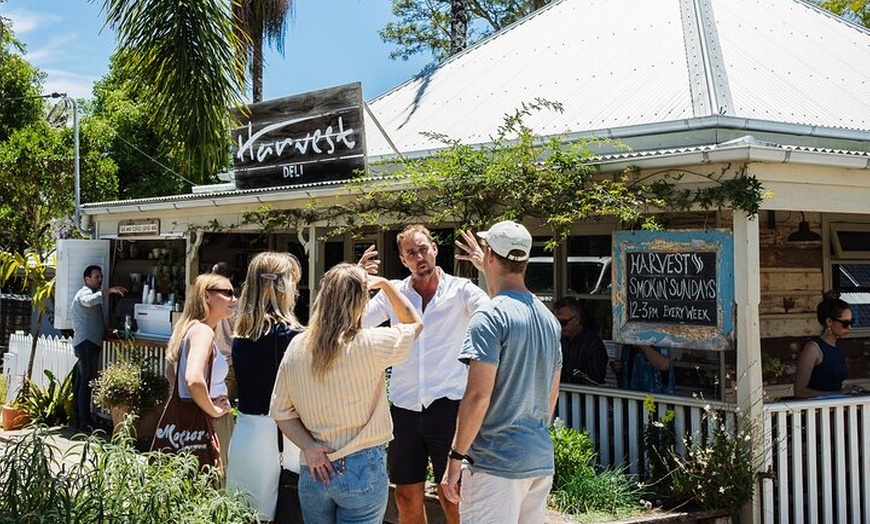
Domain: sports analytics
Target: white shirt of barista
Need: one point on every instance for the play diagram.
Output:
(433, 370)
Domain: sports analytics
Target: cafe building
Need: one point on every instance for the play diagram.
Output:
(705, 91)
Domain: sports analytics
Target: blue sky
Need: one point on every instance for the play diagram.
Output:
(331, 42)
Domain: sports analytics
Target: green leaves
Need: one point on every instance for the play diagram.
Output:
(182, 56)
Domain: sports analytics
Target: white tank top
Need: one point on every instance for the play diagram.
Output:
(219, 370)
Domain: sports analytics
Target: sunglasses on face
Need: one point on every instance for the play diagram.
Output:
(843, 322)
(229, 293)
(564, 321)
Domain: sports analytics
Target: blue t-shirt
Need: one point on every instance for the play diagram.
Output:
(638, 373)
(520, 336)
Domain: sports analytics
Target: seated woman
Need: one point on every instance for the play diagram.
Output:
(821, 365)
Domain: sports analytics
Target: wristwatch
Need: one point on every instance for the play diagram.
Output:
(455, 455)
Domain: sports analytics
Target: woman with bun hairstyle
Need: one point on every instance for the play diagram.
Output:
(265, 325)
(821, 365)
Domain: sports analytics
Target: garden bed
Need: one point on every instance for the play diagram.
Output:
(435, 515)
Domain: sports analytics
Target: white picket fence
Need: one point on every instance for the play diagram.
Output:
(818, 451)
(615, 418)
(52, 353)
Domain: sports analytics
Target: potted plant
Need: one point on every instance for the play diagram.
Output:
(13, 415)
(132, 386)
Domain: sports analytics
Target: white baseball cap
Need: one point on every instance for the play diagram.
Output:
(508, 236)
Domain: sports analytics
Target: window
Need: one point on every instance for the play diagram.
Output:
(850, 267)
(588, 275)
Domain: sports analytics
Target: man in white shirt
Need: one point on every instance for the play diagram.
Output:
(425, 390)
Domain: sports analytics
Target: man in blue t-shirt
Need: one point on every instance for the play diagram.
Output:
(502, 448)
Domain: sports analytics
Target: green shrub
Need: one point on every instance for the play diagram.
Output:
(51, 406)
(718, 473)
(2, 389)
(580, 486)
(100, 482)
(660, 458)
(131, 383)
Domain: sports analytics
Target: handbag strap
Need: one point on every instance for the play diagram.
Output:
(277, 365)
(186, 350)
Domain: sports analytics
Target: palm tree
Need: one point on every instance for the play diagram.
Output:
(182, 56)
(256, 21)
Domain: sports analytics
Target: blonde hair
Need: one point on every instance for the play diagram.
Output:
(195, 310)
(336, 316)
(268, 295)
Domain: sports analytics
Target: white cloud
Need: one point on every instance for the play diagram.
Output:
(24, 21)
(74, 85)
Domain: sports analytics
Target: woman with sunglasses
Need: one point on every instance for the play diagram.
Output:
(191, 351)
(821, 366)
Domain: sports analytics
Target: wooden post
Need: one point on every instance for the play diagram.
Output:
(747, 296)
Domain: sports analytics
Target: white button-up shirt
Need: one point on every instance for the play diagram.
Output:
(433, 370)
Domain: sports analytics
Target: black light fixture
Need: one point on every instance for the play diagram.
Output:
(804, 234)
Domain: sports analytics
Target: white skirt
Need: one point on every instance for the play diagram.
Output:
(254, 464)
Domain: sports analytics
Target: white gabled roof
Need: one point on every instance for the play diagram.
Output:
(646, 65)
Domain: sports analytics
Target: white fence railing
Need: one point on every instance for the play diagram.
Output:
(115, 350)
(52, 353)
(615, 419)
(819, 452)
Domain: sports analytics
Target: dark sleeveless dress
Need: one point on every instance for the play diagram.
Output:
(830, 373)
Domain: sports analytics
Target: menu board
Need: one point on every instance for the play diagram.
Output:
(674, 288)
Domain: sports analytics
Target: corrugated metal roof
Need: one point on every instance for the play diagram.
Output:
(640, 62)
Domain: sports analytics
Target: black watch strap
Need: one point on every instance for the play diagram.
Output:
(455, 455)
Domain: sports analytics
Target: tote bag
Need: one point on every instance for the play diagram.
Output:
(184, 427)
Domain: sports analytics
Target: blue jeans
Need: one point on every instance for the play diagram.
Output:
(88, 354)
(357, 493)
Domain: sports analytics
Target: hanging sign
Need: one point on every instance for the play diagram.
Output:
(135, 227)
(303, 139)
(674, 288)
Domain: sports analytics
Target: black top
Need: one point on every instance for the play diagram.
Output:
(831, 372)
(255, 363)
(584, 359)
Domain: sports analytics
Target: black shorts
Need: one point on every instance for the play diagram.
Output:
(419, 437)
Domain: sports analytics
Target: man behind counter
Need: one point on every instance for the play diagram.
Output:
(89, 327)
(584, 357)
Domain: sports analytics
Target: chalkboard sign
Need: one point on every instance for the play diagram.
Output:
(674, 288)
(308, 138)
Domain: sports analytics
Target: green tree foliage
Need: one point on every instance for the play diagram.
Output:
(146, 168)
(857, 11)
(518, 176)
(36, 180)
(256, 22)
(424, 26)
(182, 56)
(18, 80)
